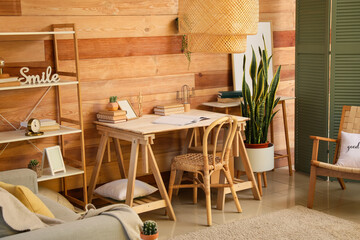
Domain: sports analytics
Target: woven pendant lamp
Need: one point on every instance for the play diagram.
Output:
(218, 25)
(216, 43)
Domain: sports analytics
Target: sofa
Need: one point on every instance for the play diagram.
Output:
(98, 227)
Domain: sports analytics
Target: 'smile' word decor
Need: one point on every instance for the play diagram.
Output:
(46, 77)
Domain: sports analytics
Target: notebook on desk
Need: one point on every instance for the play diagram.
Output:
(179, 119)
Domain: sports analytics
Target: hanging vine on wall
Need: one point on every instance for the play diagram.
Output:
(184, 44)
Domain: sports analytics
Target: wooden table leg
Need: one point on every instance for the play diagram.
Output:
(119, 157)
(287, 137)
(160, 183)
(132, 172)
(96, 170)
(221, 194)
(247, 166)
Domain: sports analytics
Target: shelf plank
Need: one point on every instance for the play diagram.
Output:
(19, 135)
(70, 171)
(60, 83)
(34, 33)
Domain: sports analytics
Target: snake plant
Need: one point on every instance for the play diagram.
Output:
(258, 106)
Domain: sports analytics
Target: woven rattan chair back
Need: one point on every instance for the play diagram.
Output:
(229, 126)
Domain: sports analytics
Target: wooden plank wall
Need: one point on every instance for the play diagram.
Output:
(126, 46)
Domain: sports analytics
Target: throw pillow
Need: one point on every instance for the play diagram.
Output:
(117, 189)
(349, 150)
(15, 217)
(28, 198)
(55, 196)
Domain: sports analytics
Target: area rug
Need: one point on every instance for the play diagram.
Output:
(294, 223)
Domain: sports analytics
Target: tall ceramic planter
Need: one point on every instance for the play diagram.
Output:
(261, 159)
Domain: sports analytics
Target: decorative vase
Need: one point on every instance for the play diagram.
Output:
(37, 169)
(112, 106)
(149, 237)
(261, 159)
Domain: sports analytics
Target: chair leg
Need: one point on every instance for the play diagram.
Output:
(233, 192)
(342, 183)
(312, 184)
(171, 183)
(178, 180)
(208, 197)
(195, 189)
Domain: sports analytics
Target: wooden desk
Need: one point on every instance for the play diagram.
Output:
(141, 133)
(282, 101)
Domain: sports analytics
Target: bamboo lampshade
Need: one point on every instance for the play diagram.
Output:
(216, 43)
(219, 17)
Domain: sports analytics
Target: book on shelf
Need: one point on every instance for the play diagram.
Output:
(9, 79)
(43, 123)
(50, 128)
(111, 121)
(109, 117)
(230, 94)
(169, 109)
(228, 100)
(166, 113)
(113, 113)
(169, 106)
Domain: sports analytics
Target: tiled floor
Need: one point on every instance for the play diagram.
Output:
(282, 192)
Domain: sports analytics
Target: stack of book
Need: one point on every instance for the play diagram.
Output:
(112, 116)
(229, 96)
(165, 110)
(47, 125)
(9, 82)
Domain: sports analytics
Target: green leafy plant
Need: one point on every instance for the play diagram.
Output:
(33, 163)
(184, 44)
(259, 105)
(149, 227)
(113, 99)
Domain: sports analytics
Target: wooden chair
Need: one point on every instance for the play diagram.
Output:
(204, 164)
(350, 119)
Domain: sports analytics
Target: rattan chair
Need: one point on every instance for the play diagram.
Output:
(204, 164)
(350, 122)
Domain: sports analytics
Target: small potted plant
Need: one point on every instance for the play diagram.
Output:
(35, 166)
(112, 105)
(149, 231)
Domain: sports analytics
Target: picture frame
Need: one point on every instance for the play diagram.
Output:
(126, 106)
(54, 158)
(255, 41)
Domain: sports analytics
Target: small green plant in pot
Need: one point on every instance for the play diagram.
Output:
(149, 230)
(35, 166)
(112, 105)
(259, 104)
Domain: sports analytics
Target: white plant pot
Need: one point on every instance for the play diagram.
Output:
(261, 159)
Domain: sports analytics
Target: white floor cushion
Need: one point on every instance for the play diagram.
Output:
(117, 189)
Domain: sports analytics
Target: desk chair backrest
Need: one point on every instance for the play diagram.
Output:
(229, 124)
(350, 123)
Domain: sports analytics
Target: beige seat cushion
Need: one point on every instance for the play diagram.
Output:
(193, 162)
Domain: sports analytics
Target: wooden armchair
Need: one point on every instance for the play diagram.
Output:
(205, 164)
(350, 119)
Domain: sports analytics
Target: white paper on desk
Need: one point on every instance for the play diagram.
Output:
(179, 119)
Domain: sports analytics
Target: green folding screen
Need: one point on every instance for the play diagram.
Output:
(312, 79)
(345, 60)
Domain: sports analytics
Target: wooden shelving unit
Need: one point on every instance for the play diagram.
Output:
(73, 167)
